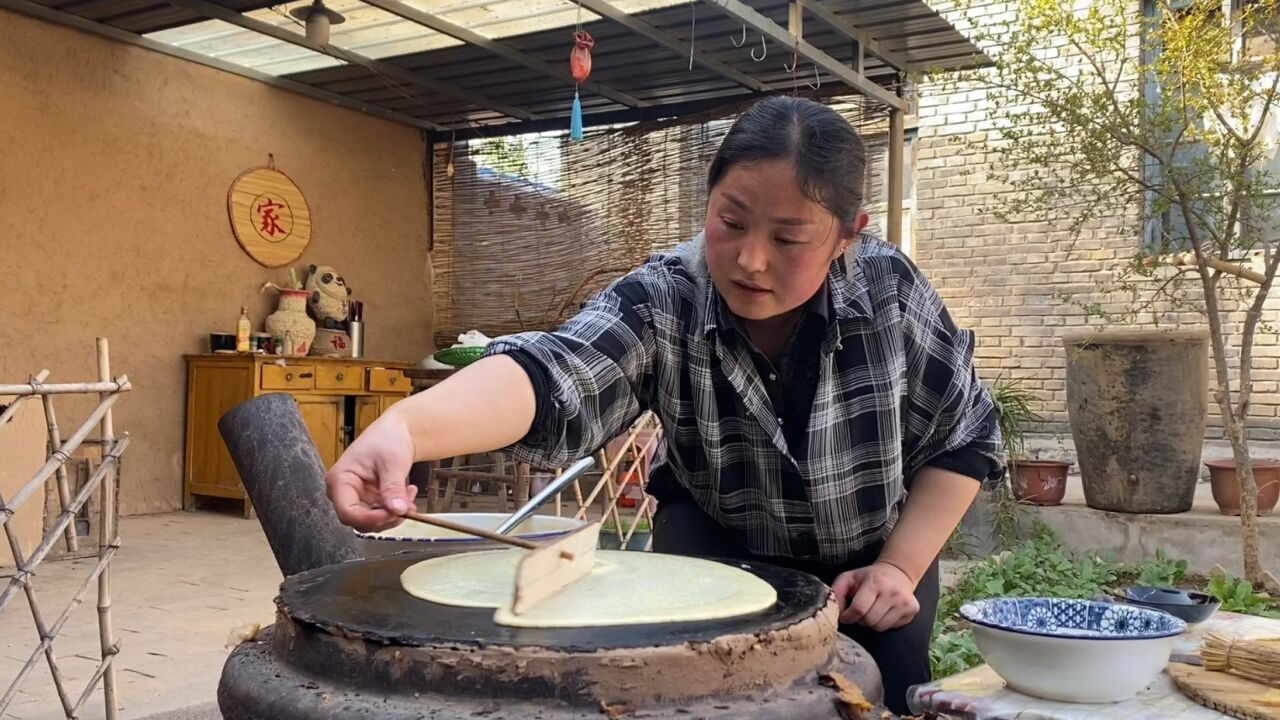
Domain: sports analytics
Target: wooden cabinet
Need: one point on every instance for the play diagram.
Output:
(367, 410)
(338, 399)
(323, 417)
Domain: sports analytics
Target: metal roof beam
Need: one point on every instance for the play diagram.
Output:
(868, 43)
(217, 12)
(740, 12)
(640, 27)
(74, 21)
(457, 32)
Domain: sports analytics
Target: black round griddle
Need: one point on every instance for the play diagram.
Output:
(364, 598)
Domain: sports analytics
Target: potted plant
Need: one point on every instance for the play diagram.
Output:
(1225, 483)
(1035, 482)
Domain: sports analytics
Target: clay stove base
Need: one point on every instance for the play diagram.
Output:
(257, 686)
(348, 642)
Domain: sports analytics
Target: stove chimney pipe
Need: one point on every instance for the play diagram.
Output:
(281, 469)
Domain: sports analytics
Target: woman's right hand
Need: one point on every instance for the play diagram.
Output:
(367, 485)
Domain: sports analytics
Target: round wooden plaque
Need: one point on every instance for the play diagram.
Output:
(269, 216)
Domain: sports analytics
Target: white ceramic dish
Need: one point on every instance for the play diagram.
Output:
(1080, 651)
(416, 536)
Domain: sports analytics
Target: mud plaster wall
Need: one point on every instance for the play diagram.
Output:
(114, 170)
(22, 446)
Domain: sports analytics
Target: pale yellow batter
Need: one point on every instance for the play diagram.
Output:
(623, 588)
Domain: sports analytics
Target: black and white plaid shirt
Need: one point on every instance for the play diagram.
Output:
(896, 390)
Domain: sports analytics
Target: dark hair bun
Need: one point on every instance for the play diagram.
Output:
(828, 154)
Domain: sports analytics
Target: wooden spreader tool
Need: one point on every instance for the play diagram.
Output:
(550, 567)
(547, 569)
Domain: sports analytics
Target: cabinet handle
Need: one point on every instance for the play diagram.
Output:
(288, 377)
(393, 379)
(339, 377)
(306, 375)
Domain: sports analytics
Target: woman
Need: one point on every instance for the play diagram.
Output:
(820, 408)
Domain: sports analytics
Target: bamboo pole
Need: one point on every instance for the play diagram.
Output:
(51, 536)
(610, 467)
(106, 669)
(612, 491)
(47, 642)
(107, 540)
(13, 406)
(476, 475)
(577, 495)
(646, 510)
(69, 447)
(615, 497)
(36, 387)
(559, 501)
(90, 487)
(23, 577)
(64, 489)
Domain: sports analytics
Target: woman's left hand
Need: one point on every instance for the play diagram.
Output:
(879, 596)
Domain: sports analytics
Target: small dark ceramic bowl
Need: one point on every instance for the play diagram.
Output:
(1190, 606)
(225, 342)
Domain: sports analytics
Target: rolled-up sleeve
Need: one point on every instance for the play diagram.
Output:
(950, 419)
(592, 377)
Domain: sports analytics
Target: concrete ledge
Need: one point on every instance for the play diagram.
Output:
(1203, 537)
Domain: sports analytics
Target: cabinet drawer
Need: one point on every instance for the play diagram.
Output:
(292, 377)
(384, 380)
(339, 377)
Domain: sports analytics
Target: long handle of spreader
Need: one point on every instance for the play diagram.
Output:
(487, 535)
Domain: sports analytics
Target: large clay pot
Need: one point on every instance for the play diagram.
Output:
(290, 324)
(1138, 402)
(1225, 483)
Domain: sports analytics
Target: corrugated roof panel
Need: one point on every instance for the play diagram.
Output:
(375, 33)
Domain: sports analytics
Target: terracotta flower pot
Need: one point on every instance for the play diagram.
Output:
(1226, 484)
(1040, 482)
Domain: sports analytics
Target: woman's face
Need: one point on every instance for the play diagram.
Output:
(769, 247)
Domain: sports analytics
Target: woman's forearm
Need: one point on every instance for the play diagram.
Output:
(938, 501)
(485, 406)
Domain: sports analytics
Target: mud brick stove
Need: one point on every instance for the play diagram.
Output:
(348, 642)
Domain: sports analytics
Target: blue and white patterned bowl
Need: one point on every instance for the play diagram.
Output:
(1073, 650)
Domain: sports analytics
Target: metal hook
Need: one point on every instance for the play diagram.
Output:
(795, 59)
(743, 41)
(817, 76)
(764, 51)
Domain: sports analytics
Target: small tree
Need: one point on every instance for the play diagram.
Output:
(1158, 112)
(504, 154)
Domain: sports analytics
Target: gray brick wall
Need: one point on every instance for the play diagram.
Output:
(1009, 282)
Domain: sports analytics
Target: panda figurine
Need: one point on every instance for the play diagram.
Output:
(329, 295)
(328, 302)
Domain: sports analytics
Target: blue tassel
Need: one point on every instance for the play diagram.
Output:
(575, 125)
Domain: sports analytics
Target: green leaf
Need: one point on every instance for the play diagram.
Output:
(1244, 591)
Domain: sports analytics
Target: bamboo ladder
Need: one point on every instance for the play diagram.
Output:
(612, 482)
(102, 480)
